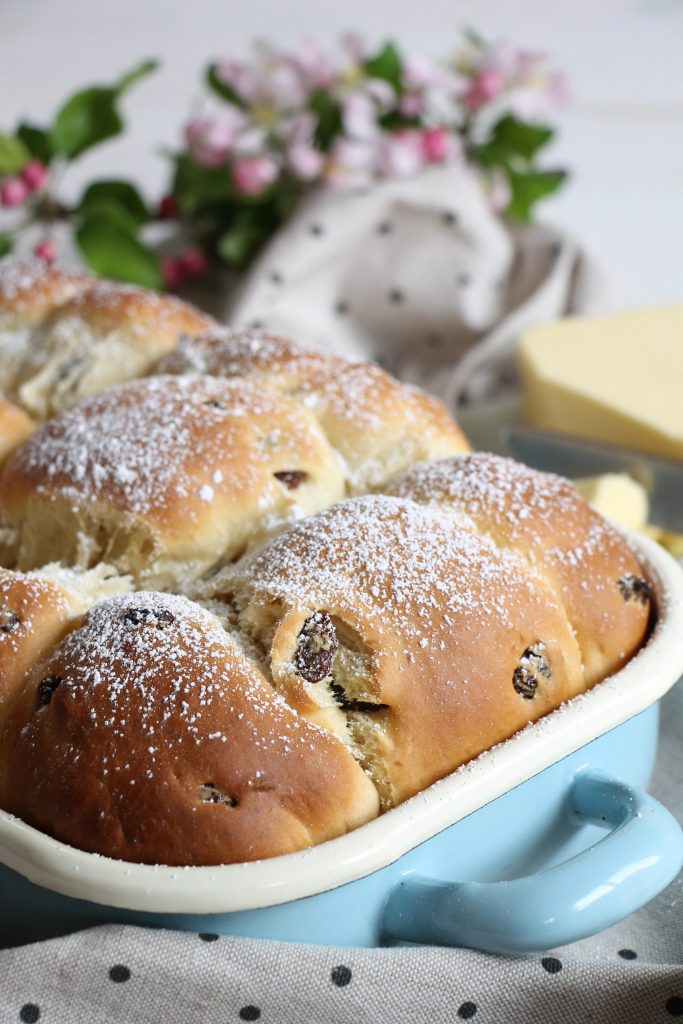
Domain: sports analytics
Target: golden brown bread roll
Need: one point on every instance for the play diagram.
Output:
(398, 628)
(29, 290)
(15, 427)
(377, 424)
(148, 736)
(544, 520)
(163, 478)
(104, 335)
(35, 612)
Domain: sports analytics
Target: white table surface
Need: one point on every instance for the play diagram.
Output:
(622, 136)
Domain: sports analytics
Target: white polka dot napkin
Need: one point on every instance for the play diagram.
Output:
(419, 275)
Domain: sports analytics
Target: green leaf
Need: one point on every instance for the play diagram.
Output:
(91, 116)
(111, 251)
(37, 142)
(529, 188)
(112, 195)
(221, 88)
(5, 245)
(13, 154)
(520, 137)
(134, 75)
(240, 243)
(386, 65)
(328, 113)
(196, 187)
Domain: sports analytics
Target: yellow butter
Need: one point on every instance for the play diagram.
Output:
(617, 379)
(616, 496)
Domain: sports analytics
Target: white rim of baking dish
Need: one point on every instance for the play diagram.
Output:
(236, 887)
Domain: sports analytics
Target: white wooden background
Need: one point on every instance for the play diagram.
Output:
(622, 136)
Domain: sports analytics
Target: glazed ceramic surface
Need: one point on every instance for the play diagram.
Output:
(542, 840)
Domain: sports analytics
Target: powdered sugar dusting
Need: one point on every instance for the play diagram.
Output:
(157, 443)
(408, 564)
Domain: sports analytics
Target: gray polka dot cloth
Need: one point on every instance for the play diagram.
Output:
(419, 275)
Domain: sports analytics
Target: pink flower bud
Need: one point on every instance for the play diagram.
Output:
(251, 175)
(489, 84)
(305, 162)
(34, 175)
(13, 192)
(436, 145)
(45, 251)
(193, 262)
(172, 272)
(485, 86)
(168, 208)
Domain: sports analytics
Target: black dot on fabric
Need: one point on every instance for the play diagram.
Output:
(276, 278)
(467, 1011)
(208, 937)
(119, 973)
(628, 954)
(674, 1006)
(256, 325)
(341, 308)
(449, 217)
(316, 229)
(555, 248)
(385, 228)
(250, 1013)
(551, 964)
(463, 280)
(29, 1013)
(341, 976)
(396, 295)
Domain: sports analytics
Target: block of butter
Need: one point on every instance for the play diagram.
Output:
(617, 496)
(614, 378)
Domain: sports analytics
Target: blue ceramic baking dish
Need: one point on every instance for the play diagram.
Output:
(543, 840)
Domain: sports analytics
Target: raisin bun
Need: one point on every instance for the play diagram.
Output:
(164, 478)
(29, 291)
(37, 609)
(378, 425)
(15, 427)
(102, 335)
(147, 735)
(399, 629)
(543, 519)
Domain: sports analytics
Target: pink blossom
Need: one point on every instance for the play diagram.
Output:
(359, 117)
(272, 78)
(401, 154)
(437, 145)
(251, 175)
(46, 250)
(485, 86)
(210, 139)
(34, 174)
(304, 161)
(13, 192)
(411, 104)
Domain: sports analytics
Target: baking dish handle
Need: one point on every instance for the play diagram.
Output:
(640, 855)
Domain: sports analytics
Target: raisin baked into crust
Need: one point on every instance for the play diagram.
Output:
(377, 424)
(167, 745)
(163, 478)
